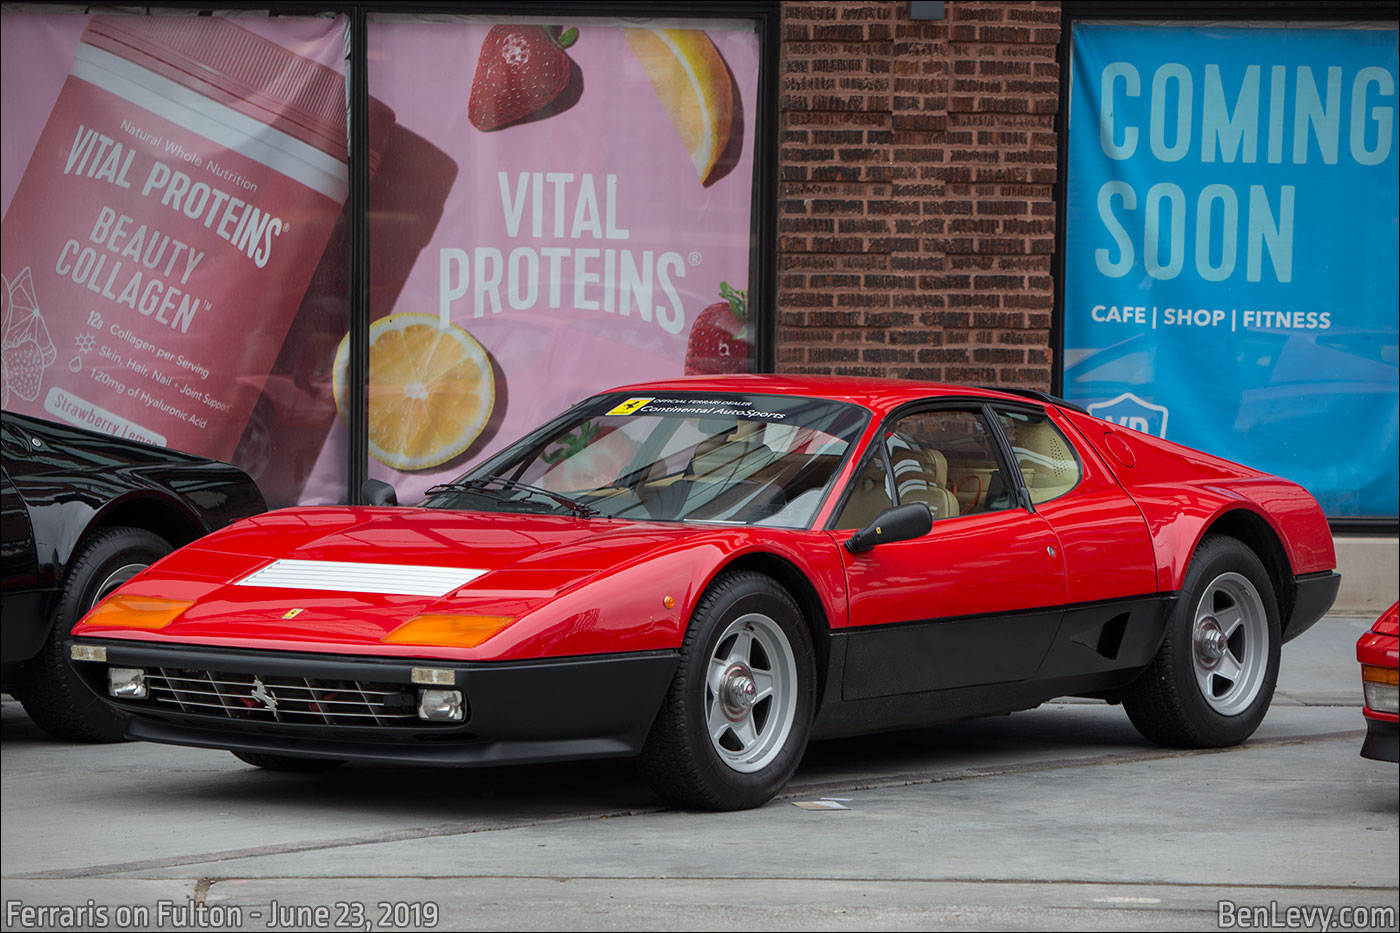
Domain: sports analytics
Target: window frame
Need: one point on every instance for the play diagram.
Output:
(1001, 449)
(1074, 451)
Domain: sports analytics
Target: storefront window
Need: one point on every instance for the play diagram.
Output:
(555, 207)
(174, 260)
(563, 206)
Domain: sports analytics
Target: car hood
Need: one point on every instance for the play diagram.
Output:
(342, 578)
(436, 537)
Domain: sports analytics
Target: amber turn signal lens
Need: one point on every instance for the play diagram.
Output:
(447, 631)
(1380, 675)
(145, 612)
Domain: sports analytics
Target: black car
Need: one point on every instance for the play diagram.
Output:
(80, 514)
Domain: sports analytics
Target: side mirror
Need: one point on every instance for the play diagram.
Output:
(378, 492)
(897, 524)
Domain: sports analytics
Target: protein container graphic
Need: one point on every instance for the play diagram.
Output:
(161, 240)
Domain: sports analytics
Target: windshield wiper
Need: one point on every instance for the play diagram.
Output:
(465, 486)
(485, 484)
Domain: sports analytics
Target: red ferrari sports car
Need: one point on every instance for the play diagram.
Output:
(1379, 653)
(707, 572)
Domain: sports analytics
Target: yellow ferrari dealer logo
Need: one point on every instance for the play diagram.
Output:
(631, 405)
(292, 613)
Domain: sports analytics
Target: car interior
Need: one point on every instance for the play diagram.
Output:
(945, 459)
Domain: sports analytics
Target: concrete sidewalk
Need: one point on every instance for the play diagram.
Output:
(1370, 569)
(1060, 817)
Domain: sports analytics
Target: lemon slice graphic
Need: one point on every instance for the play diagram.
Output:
(431, 390)
(693, 84)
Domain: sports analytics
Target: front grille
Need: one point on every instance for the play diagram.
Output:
(276, 698)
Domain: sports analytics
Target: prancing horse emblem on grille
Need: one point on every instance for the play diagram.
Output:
(264, 695)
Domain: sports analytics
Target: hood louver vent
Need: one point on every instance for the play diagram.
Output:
(356, 577)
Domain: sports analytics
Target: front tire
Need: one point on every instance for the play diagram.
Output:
(1213, 678)
(734, 724)
(50, 691)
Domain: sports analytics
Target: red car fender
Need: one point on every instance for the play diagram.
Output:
(624, 609)
(1185, 494)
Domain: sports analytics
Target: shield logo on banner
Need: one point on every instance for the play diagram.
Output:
(1132, 412)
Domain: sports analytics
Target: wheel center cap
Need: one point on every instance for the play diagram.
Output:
(738, 692)
(1210, 642)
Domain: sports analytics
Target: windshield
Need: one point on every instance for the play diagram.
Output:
(746, 459)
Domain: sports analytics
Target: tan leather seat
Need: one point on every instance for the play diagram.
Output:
(1046, 461)
(867, 500)
(970, 487)
(921, 475)
(724, 458)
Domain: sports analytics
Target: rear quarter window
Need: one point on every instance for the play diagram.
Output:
(1048, 463)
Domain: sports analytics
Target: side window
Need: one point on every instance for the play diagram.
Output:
(946, 459)
(1047, 461)
(870, 497)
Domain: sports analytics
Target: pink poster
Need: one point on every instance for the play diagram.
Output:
(171, 185)
(555, 208)
(594, 182)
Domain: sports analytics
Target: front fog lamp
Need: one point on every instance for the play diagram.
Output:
(127, 683)
(441, 705)
(437, 676)
(1382, 686)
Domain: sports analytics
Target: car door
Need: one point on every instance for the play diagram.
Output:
(975, 601)
(1106, 545)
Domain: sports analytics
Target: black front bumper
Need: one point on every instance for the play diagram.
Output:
(519, 711)
(1382, 740)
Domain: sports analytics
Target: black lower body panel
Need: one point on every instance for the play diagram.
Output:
(945, 670)
(1314, 595)
(1382, 740)
(517, 711)
(463, 752)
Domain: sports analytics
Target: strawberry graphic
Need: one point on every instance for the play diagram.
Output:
(22, 318)
(719, 338)
(24, 340)
(522, 70)
(24, 369)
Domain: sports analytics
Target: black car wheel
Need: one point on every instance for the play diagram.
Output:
(734, 724)
(49, 689)
(1214, 675)
(289, 763)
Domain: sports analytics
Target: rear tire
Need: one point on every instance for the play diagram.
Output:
(49, 689)
(734, 724)
(288, 763)
(1213, 677)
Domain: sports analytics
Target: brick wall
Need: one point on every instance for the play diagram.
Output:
(916, 220)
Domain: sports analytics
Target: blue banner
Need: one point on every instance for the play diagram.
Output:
(1231, 247)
